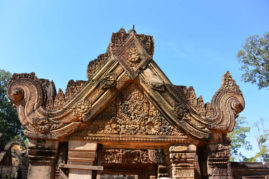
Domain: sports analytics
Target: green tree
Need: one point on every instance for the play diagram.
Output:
(238, 140)
(255, 60)
(262, 139)
(10, 125)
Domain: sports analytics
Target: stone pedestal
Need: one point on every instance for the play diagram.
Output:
(218, 165)
(182, 158)
(81, 155)
(42, 155)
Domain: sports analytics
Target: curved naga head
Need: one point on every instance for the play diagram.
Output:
(17, 95)
(24, 87)
(228, 102)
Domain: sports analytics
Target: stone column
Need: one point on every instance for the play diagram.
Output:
(81, 155)
(218, 161)
(42, 155)
(162, 171)
(182, 158)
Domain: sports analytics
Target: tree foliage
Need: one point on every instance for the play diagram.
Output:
(255, 60)
(238, 140)
(10, 125)
(262, 140)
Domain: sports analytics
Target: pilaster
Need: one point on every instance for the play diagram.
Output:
(42, 155)
(218, 165)
(182, 158)
(81, 155)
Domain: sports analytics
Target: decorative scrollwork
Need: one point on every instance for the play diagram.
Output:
(29, 94)
(126, 156)
(228, 83)
(44, 125)
(82, 109)
(181, 110)
(131, 113)
(109, 81)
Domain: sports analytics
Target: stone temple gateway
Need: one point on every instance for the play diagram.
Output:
(127, 121)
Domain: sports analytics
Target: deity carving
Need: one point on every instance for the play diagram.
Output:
(132, 113)
(133, 55)
(128, 156)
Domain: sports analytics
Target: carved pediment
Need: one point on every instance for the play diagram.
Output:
(126, 94)
(131, 113)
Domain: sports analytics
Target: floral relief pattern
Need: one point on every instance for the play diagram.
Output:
(132, 113)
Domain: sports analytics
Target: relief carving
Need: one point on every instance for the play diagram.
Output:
(105, 109)
(133, 56)
(109, 81)
(117, 39)
(43, 111)
(220, 151)
(37, 113)
(223, 109)
(132, 113)
(59, 99)
(127, 156)
(218, 160)
(96, 64)
(178, 172)
(147, 42)
(44, 125)
(228, 83)
(82, 109)
(73, 87)
(181, 110)
(41, 125)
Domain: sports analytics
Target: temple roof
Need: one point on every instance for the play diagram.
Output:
(128, 60)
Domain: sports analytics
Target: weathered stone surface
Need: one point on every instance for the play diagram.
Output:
(81, 153)
(218, 161)
(250, 170)
(131, 113)
(129, 107)
(14, 160)
(96, 64)
(182, 161)
(127, 156)
(42, 157)
(43, 111)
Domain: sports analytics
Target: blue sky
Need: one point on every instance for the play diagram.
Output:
(196, 42)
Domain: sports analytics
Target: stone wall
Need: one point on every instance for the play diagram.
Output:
(250, 170)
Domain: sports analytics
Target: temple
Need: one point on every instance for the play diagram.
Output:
(127, 120)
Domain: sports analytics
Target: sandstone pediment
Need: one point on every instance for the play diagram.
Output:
(126, 94)
(127, 118)
(129, 115)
